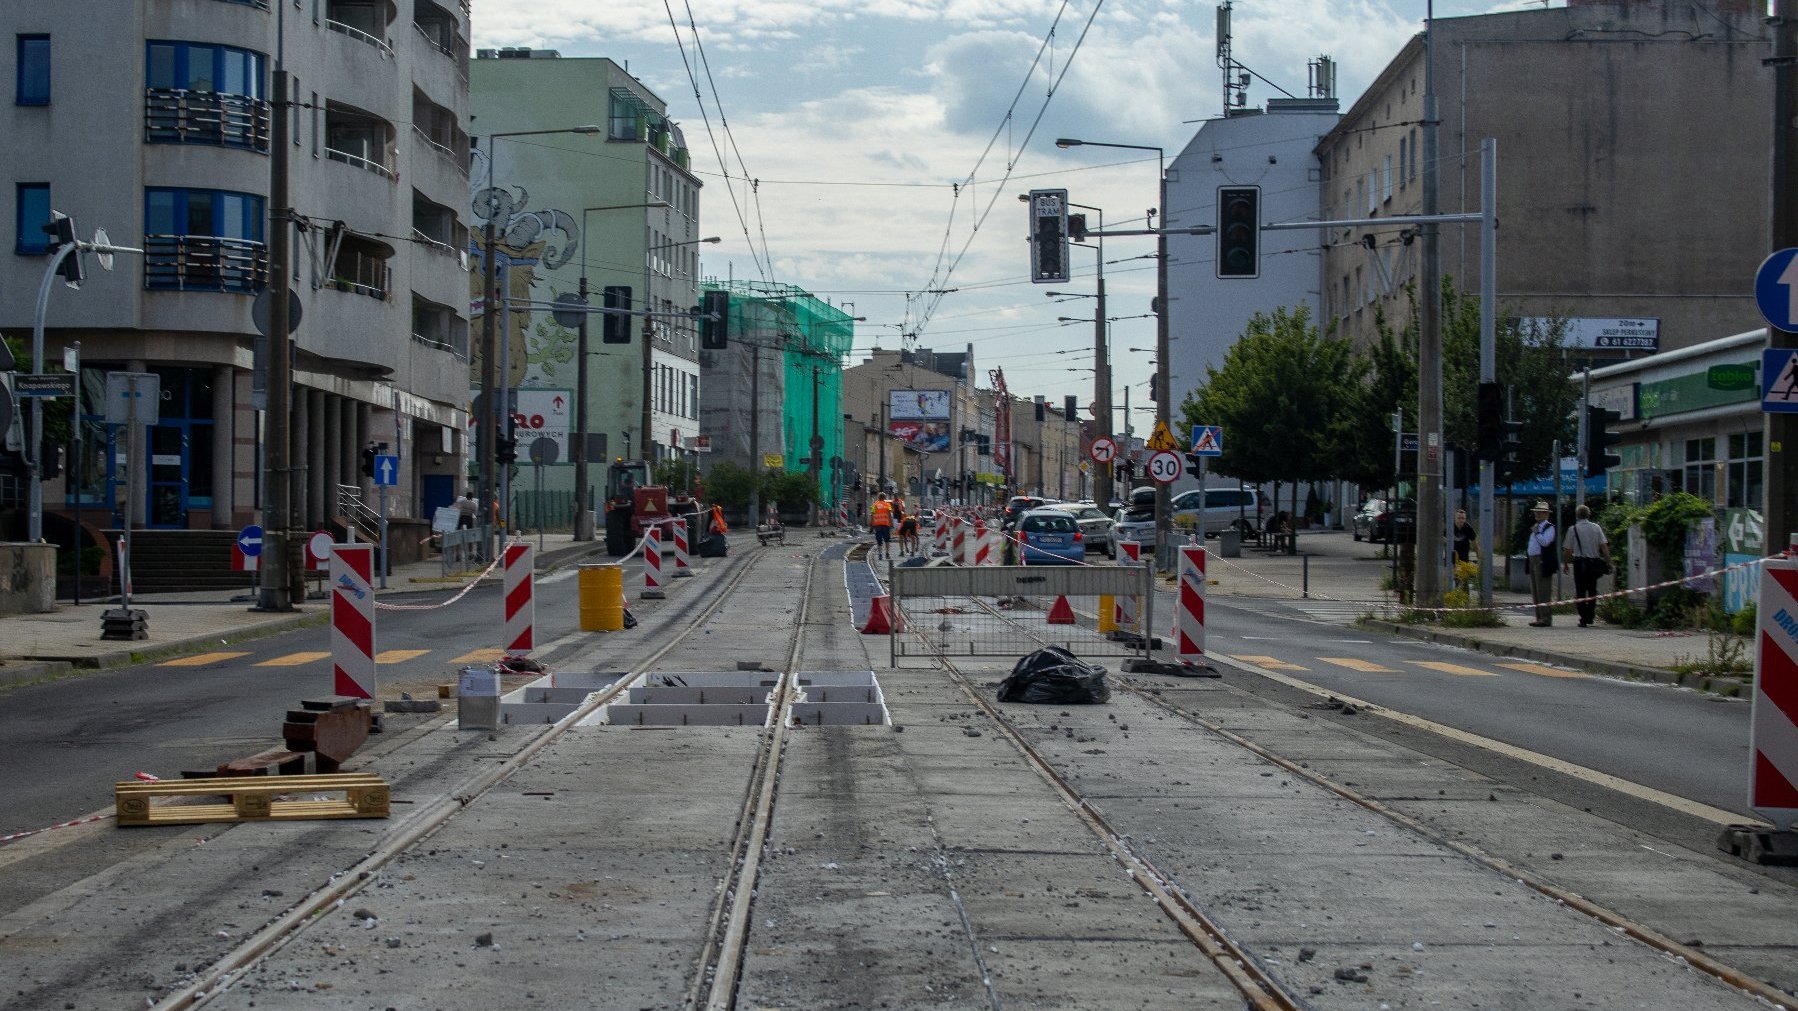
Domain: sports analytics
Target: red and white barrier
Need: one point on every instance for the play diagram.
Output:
(1773, 727)
(983, 545)
(1189, 617)
(353, 620)
(843, 515)
(939, 536)
(683, 567)
(959, 551)
(1129, 615)
(652, 564)
(520, 598)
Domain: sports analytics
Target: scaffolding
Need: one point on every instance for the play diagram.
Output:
(797, 342)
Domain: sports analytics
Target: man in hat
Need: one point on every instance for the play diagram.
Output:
(1540, 563)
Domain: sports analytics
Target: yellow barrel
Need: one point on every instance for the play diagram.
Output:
(602, 597)
(1107, 614)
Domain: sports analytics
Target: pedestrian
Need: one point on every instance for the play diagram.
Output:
(880, 518)
(1587, 555)
(466, 508)
(908, 533)
(1539, 561)
(1465, 535)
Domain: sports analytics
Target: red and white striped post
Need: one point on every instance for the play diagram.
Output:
(652, 564)
(983, 544)
(353, 620)
(843, 515)
(1129, 615)
(683, 567)
(1773, 725)
(1189, 618)
(959, 553)
(520, 598)
(939, 537)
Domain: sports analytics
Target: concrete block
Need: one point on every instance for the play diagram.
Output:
(27, 578)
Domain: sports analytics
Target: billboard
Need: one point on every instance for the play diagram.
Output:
(920, 417)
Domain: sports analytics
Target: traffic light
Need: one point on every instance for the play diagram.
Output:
(617, 328)
(1239, 231)
(1510, 445)
(61, 229)
(1048, 236)
(1070, 407)
(368, 462)
(1077, 227)
(1490, 425)
(1042, 412)
(1599, 439)
(713, 333)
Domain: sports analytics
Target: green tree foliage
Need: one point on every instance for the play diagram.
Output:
(1280, 396)
(793, 491)
(1363, 439)
(58, 411)
(728, 485)
(675, 475)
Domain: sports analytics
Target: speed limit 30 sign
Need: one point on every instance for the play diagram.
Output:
(1166, 467)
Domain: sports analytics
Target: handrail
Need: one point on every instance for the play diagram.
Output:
(204, 263)
(432, 244)
(351, 507)
(361, 36)
(360, 162)
(178, 115)
(441, 149)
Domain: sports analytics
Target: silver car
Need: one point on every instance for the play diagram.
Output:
(1095, 526)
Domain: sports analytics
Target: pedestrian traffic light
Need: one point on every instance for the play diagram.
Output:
(617, 327)
(1599, 439)
(1510, 446)
(1490, 423)
(1239, 231)
(714, 310)
(1048, 236)
(61, 229)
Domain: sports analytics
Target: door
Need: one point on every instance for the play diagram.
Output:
(169, 456)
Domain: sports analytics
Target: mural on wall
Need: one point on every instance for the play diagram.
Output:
(530, 244)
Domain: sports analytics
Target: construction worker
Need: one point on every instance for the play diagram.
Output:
(880, 518)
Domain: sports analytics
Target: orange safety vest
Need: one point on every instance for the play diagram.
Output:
(882, 514)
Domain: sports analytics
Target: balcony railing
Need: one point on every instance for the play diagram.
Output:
(443, 150)
(367, 164)
(434, 245)
(361, 36)
(204, 263)
(179, 116)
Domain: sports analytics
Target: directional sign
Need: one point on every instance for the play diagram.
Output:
(1103, 450)
(1779, 380)
(133, 396)
(1208, 440)
(387, 470)
(45, 384)
(249, 541)
(1776, 289)
(1166, 467)
(1162, 439)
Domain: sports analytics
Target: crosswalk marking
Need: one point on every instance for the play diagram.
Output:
(480, 656)
(1454, 668)
(1271, 663)
(399, 655)
(200, 659)
(1352, 663)
(1547, 672)
(295, 659)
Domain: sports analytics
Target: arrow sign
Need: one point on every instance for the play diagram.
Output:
(1776, 289)
(249, 541)
(387, 471)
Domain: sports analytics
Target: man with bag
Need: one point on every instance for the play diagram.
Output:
(1587, 553)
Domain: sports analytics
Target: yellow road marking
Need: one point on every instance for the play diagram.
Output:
(1454, 668)
(200, 659)
(1547, 672)
(1271, 663)
(480, 656)
(399, 655)
(1352, 663)
(295, 659)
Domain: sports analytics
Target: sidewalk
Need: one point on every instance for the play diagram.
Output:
(1345, 579)
(35, 647)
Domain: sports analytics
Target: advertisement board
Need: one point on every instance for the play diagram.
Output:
(920, 417)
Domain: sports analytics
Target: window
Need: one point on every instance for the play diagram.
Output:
(1700, 476)
(197, 93)
(203, 240)
(1416, 153)
(1744, 472)
(1386, 180)
(31, 213)
(1404, 160)
(34, 70)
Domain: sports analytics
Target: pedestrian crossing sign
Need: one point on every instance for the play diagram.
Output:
(1779, 372)
(1208, 440)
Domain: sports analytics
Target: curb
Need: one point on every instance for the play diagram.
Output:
(45, 668)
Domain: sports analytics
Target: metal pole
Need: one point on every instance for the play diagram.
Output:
(583, 508)
(131, 464)
(1488, 345)
(487, 431)
(386, 560)
(817, 458)
(755, 436)
(72, 474)
(508, 406)
(1102, 485)
(278, 591)
(1555, 516)
(34, 449)
(1164, 493)
(1781, 508)
(1429, 353)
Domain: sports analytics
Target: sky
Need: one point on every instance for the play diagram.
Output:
(872, 151)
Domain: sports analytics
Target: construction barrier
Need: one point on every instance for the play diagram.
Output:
(682, 567)
(882, 619)
(520, 598)
(1006, 610)
(1127, 616)
(353, 620)
(602, 597)
(1773, 730)
(959, 552)
(983, 545)
(652, 564)
(939, 536)
(1189, 613)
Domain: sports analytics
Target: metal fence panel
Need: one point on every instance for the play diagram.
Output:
(1012, 610)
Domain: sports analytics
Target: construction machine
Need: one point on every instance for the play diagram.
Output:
(633, 504)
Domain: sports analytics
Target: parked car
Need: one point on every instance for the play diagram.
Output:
(1050, 537)
(1095, 526)
(1017, 506)
(1377, 521)
(1136, 520)
(926, 518)
(1222, 508)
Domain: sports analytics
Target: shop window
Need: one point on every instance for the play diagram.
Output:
(1745, 483)
(1700, 474)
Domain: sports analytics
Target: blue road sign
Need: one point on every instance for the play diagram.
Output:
(387, 470)
(1776, 289)
(1208, 440)
(1779, 380)
(249, 541)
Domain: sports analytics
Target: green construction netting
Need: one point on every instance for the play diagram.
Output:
(813, 337)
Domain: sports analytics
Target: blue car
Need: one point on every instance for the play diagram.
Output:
(1051, 537)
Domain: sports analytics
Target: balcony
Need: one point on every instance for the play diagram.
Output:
(356, 138)
(179, 116)
(204, 263)
(441, 31)
(435, 227)
(437, 326)
(361, 268)
(365, 22)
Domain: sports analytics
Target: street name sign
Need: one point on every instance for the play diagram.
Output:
(44, 384)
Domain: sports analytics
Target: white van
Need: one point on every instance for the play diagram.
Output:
(1223, 507)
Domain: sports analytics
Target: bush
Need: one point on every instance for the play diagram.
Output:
(1745, 621)
(1465, 614)
(793, 492)
(728, 485)
(1678, 607)
(1621, 611)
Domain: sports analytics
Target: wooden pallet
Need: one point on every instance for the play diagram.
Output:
(259, 798)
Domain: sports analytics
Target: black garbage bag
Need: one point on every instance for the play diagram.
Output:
(1053, 675)
(714, 546)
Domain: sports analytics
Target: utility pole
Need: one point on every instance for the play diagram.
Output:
(1102, 490)
(648, 364)
(583, 508)
(1430, 526)
(755, 435)
(1164, 493)
(817, 459)
(1781, 439)
(487, 429)
(278, 591)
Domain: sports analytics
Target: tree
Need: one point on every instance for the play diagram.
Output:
(729, 485)
(1363, 441)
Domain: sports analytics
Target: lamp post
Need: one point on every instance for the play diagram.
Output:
(489, 429)
(1164, 559)
(583, 503)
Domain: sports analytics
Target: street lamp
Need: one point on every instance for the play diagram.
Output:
(1163, 496)
(583, 504)
(489, 430)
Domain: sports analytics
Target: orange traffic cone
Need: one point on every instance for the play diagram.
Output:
(1062, 613)
(882, 619)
